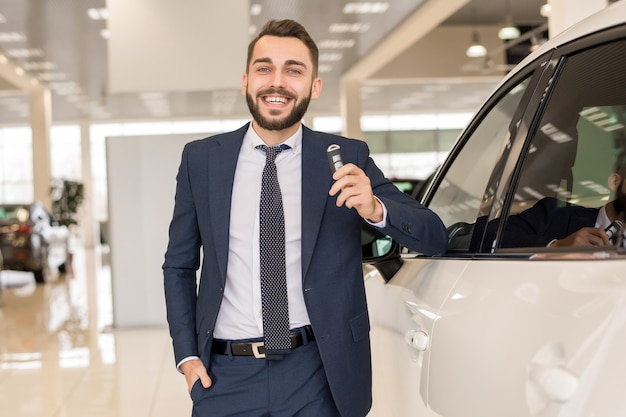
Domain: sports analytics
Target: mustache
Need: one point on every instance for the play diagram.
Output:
(279, 91)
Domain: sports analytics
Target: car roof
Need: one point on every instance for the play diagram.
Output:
(612, 15)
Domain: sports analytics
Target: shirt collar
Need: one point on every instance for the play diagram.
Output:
(602, 220)
(251, 140)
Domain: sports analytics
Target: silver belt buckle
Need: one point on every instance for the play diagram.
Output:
(255, 350)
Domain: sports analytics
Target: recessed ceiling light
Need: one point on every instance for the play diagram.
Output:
(64, 88)
(52, 76)
(24, 52)
(255, 9)
(324, 68)
(365, 7)
(98, 13)
(348, 27)
(39, 66)
(336, 43)
(330, 57)
(12, 37)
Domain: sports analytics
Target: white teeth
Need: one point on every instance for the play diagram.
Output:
(276, 100)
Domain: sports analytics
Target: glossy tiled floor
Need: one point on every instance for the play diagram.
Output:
(60, 357)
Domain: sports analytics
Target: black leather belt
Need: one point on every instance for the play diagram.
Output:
(257, 349)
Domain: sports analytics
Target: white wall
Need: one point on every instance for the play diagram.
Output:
(141, 185)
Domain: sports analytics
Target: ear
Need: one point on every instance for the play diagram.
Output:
(316, 88)
(614, 181)
(244, 84)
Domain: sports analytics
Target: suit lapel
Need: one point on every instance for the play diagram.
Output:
(221, 173)
(316, 181)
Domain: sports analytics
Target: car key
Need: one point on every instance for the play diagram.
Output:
(616, 227)
(335, 159)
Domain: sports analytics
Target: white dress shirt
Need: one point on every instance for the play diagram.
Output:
(240, 314)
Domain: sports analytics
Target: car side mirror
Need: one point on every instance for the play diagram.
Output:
(380, 251)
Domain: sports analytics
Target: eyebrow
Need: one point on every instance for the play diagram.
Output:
(288, 62)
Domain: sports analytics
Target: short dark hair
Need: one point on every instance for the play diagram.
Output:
(286, 29)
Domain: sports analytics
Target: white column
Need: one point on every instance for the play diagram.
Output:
(350, 105)
(40, 121)
(564, 13)
(89, 226)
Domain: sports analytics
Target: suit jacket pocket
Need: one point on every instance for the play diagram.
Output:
(360, 326)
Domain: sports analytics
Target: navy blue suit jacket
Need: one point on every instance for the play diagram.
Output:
(331, 254)
(548, 219)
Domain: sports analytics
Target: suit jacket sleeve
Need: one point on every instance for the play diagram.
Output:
(408, 222)
(182, 259)
(546, 220)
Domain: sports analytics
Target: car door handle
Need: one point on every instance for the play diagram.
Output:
(417, 339)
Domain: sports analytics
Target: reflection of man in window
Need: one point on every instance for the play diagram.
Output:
(549, 223)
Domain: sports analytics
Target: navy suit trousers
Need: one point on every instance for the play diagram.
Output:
(249, 387)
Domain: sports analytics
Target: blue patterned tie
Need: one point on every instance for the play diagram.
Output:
(272, 255)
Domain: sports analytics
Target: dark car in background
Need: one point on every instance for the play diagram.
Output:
(31, 239)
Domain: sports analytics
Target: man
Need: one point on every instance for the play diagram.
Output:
(218, 328)
(551, 223)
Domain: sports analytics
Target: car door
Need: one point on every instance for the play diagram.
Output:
(528, 330)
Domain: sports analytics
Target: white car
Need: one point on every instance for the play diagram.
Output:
(502, 324)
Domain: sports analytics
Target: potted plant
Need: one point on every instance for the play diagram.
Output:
(67, 197)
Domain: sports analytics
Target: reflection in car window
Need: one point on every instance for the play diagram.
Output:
(563, 181)
(460, 193)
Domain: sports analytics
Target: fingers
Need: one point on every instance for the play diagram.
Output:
(354, 190)
(194, 370)
(587, 236)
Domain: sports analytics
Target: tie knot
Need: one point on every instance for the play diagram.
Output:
(272, 151)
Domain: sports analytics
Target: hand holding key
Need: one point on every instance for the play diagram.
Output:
(353, 186)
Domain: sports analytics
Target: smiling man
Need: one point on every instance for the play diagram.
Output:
(277, 324)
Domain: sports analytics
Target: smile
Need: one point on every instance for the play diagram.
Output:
(276, 100)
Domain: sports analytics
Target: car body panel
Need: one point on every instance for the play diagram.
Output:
(541, 354)
(555, 346)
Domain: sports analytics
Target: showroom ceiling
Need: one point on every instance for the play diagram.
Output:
(63, 44)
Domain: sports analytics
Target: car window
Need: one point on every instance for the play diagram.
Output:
(459, 195)
(564, 177)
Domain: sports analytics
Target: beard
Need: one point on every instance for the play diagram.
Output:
(295, 116)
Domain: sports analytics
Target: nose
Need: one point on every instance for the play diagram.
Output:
(277, 79)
